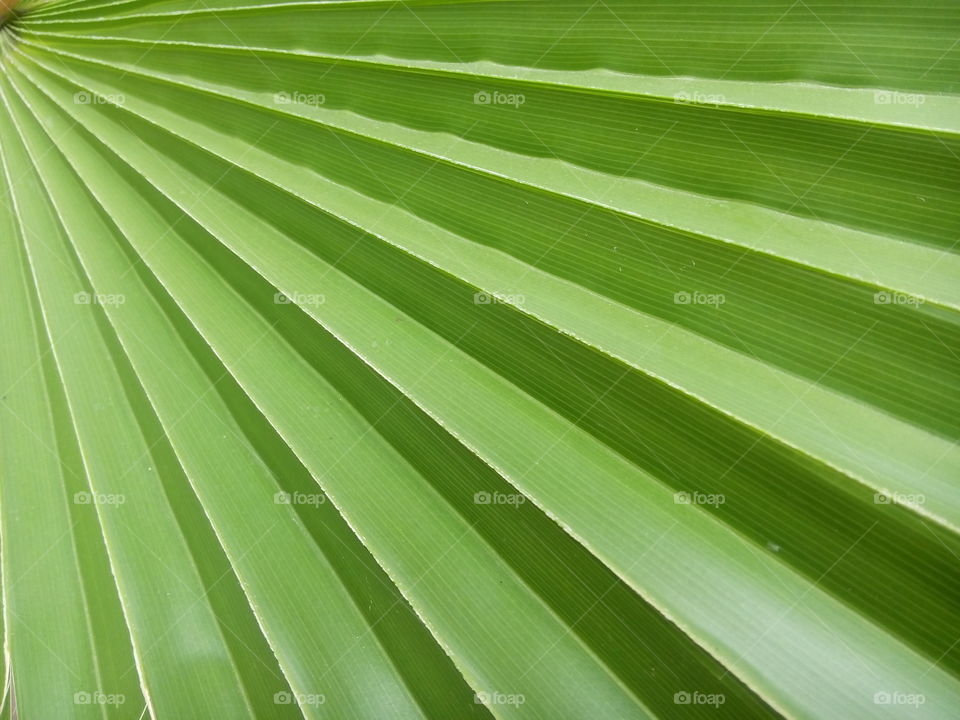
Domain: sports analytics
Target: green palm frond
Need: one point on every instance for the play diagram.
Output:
(507, 358)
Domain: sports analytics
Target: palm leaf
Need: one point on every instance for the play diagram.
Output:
(480, 359)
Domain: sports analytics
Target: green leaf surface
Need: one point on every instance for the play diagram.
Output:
(481, 359)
